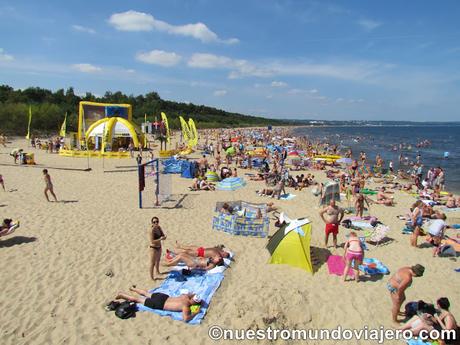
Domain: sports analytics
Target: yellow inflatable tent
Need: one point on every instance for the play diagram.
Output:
(290, 245)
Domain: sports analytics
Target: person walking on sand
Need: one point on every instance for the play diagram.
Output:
(156, 235)
(2, 183)
(332, 215)
(48, 185)
(398, 284)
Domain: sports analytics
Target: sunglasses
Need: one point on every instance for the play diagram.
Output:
(155, 222)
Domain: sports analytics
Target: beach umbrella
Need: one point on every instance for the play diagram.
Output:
(344, 160)
(231, 183)
(212, 176)
(293, 153)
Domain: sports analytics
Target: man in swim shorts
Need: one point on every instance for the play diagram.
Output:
(161, 301)
(332, 215)
(398, 284)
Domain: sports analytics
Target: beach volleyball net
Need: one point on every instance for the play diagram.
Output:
(154, 186)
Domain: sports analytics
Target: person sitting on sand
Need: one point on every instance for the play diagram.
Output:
(446, 320)
(334, 215)
(196, 262)
(7, 227)
(226, 209)
(161, 301)
(398, 284)
(258, 177)
(205, 185)
(436, 233)
(354, 253)
(200, 252)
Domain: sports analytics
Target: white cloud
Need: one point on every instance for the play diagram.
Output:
(159, 57)
(139, 21)
(368, 24)
(86, 68)
(5, 57)
(313, 91)
(278, 84)
(83, 29)
(239, 68)
(220, 93)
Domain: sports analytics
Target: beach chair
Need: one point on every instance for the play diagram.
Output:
(377, 235)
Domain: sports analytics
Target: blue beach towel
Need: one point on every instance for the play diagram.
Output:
(288, 196)
(199, 282)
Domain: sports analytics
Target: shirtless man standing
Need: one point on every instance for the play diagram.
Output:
(48, 185)
(334, 215)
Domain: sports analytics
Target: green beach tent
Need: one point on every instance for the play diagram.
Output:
(291, 245)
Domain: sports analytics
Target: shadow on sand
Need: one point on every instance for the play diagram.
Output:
(17, 240)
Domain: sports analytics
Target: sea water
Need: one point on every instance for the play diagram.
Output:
(384, 139)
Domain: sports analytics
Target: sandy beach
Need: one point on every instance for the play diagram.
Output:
(55, 267)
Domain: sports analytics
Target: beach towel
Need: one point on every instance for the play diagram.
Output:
(361, 224)
(288, 196)
(205, 285)
(373, 266)
(336, 265)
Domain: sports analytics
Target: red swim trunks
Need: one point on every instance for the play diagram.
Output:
(200, 252)
(332, 229)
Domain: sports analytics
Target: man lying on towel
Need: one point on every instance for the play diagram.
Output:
(163, 301)
(199, 251)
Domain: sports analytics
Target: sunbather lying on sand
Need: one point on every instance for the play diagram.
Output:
(163, 301)
(192, 262)
(201, 252)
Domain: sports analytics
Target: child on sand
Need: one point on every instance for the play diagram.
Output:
(48, 185)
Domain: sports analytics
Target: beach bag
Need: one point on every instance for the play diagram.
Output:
(126, 310)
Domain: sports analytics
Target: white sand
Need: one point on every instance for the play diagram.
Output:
(53, 269)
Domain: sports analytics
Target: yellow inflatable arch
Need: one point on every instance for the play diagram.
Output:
(108, 132)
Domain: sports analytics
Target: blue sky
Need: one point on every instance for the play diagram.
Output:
(372, 60)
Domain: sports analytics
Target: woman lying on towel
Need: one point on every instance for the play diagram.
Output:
(192, 262)
(8, 227)
(163, 301)
(200, 252)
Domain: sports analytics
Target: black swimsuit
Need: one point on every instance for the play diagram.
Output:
(156, 301)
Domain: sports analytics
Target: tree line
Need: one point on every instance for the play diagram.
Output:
(48, 109)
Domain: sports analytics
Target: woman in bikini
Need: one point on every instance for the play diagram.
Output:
(354, 253)
(156, 235)
(398, 284)
(200, 263)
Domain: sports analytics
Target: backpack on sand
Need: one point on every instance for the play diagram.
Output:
(126, 310)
